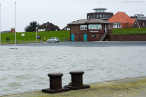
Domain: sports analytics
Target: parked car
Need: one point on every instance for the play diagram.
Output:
(53, 39)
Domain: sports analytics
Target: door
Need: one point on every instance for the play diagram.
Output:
(72, 37)
(85, 37)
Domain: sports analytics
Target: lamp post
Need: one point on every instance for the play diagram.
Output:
(15, 23)
(36, 33)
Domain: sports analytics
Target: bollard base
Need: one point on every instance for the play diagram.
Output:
(55, 91)
(77, 87)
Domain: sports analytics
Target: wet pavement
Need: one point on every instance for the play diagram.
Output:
(87, 44)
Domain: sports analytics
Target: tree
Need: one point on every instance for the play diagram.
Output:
(32, 27)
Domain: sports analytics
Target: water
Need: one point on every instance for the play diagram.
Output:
(26, 68)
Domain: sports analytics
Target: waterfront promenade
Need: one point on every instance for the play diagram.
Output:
(26, 68)
(129, 87)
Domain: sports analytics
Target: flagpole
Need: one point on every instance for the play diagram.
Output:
(99, 3)
(15, 23)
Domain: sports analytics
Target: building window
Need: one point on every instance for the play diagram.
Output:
(116, 25)
(95, 26)
(103, 15)
(100, 16)
(109, 26)
(83, 27)
(106, 16)
(97, 16)
(93, 16)
(90, 17)
(143, 24)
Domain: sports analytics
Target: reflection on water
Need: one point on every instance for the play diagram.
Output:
(26, 68)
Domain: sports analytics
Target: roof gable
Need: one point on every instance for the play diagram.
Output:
(119, 17)
(131, 22)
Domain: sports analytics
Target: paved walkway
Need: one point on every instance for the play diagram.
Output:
(130, 87)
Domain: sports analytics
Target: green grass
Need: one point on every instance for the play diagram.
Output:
(129, 31)
(31, 36)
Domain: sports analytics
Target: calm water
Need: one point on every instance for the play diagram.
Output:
(26, 68)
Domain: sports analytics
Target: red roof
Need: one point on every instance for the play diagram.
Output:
(131, 22)
(119, 17)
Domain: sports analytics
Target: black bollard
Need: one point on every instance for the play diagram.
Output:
(77, 81)
(55, 84)
(77, 78)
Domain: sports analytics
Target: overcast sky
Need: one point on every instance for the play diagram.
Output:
(60, 12)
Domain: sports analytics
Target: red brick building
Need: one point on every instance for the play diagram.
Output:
(12, 30)
(88, 29)
(141, 19)
(121, 20)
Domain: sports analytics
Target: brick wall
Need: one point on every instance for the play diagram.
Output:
(135, 37)
(12, 30)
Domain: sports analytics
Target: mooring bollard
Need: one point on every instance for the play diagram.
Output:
(55, 84)
(77, 81)
(77, 78)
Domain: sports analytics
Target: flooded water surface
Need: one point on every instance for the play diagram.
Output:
(26, 68)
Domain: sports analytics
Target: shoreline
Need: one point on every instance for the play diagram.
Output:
(128, 87)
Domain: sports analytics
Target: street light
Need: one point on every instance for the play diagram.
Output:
(36, 33)
(15, 23)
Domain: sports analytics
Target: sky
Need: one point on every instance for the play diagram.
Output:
(60, 12)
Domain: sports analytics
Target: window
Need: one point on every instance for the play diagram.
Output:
(109, 26)
(116, 25)
(93, 16)
(83, 27)
(90, 17)
(106, 16)
(103, 15)
(97, 16)
(100, 15)
(95, 26)
(100, 10)
(143, 24)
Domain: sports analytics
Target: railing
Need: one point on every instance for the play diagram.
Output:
(103, 36)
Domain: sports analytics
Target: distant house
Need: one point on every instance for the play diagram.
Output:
(9, 31)
(121, 20)
(5, 31)
(48, 27)
(66, 28)
(12, 30)
(141, 19)
(88, 29)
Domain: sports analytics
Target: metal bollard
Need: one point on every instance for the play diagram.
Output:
(55, 84)
(55, 81)
(77, 81)
(77, 78)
